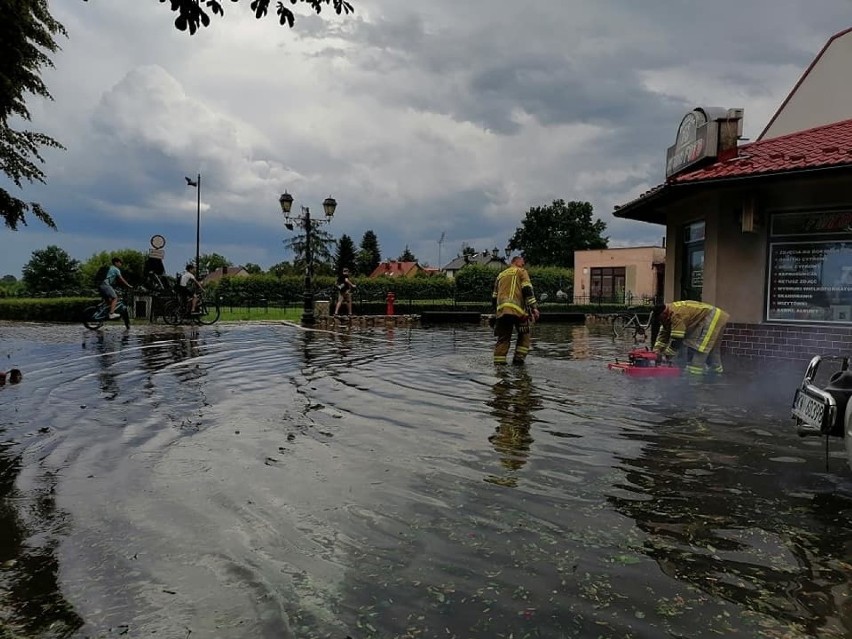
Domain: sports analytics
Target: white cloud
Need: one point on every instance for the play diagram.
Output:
(419, 118)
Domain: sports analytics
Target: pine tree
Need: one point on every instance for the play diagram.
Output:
(345, 257)
(369, 257)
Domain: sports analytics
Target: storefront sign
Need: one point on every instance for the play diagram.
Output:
(810, 282)
(813, 223)
(696, 140)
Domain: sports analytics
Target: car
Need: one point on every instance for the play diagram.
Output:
(825, 411)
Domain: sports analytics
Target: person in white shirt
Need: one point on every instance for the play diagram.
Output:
(190, 286)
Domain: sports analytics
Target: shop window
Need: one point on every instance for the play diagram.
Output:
(692, 268)
(607, 284)
(810, 267)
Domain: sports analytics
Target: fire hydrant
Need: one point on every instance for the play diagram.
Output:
(390, 300)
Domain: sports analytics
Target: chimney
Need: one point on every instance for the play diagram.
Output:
(730, 132)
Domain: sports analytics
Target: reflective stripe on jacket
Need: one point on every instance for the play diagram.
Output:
(697, 324)
(513, 292)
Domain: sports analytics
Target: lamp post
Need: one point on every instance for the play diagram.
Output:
(197, 184)
(305, 222)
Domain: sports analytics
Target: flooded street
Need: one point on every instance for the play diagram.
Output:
(258, 480)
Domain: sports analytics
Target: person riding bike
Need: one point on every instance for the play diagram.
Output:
(106, 287)
(189, 287)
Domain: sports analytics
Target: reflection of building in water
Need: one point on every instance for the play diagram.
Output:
(780, 560)
(513, 403)
(581, 347)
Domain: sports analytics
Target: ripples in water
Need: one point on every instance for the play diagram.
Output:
(264, 481)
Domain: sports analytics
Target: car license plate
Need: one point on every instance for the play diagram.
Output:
(808, 409)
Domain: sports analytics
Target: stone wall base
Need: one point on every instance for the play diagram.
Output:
(790, 343)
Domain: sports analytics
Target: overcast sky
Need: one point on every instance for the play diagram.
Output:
(422, 118)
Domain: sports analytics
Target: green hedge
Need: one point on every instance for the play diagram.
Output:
(45, 309)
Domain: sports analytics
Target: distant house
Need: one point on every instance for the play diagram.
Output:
(393, 268)
(225, 271)
(490, 259)
(619, 275)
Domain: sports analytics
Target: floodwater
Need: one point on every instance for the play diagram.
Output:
(258, 480)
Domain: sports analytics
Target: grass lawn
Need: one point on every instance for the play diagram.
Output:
(260, 314)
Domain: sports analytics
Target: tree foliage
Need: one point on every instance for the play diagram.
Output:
(322, 244)
(191, 14)
(282, 269)
(27, 32)
(252, 268)
(345, 257)
(51, 270)
(406, 255)
(210, 262)
(369, 256)
(549, 235)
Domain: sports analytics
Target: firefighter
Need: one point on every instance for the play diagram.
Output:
(696, 325)
(514, 306)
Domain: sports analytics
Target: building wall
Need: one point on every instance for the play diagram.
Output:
(823, 95)
(638, 261)
(736, 264)
(772, 341)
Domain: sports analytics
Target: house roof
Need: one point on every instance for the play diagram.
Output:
(827, 146)
(486, 258)
(393, 268)
(229, 271)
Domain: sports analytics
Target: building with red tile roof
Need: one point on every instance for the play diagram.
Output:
(763, 230)
(394, 268)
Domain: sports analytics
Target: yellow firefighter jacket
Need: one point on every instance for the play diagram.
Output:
(696, 324)
(513, 293)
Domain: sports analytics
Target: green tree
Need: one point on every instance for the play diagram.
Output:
(252, 268)
(191, 13)
(345, 257)
(369, 256)
(133, 264)
(27, 33)
(209, 262)
(322, 244)
(406, 255)
(281, 269)
(549, 235)
(51, 270)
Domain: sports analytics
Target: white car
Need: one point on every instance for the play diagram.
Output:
(825, 411)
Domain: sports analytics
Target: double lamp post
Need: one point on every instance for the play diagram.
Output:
(305, 222)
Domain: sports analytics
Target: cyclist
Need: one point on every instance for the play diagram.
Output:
(106, 287)
(189, 287)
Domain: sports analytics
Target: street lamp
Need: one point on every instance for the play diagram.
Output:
(197, 185)
(305, 222)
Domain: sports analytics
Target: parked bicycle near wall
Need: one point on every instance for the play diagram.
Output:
(179, 310)
(631, 325)
(95, 316)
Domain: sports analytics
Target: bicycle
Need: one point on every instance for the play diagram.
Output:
(177, 311)
(95, 316)
(627, 323)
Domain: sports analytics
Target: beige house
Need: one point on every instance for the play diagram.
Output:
(630, 275)
(764, 230)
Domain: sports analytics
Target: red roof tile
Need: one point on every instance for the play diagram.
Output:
(823, 146)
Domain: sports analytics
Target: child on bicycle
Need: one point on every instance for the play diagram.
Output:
(106, 288)
(189, 287)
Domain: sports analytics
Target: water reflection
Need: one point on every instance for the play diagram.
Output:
(267, 481)
(31, 603)
(512, 404)
(741, 541)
